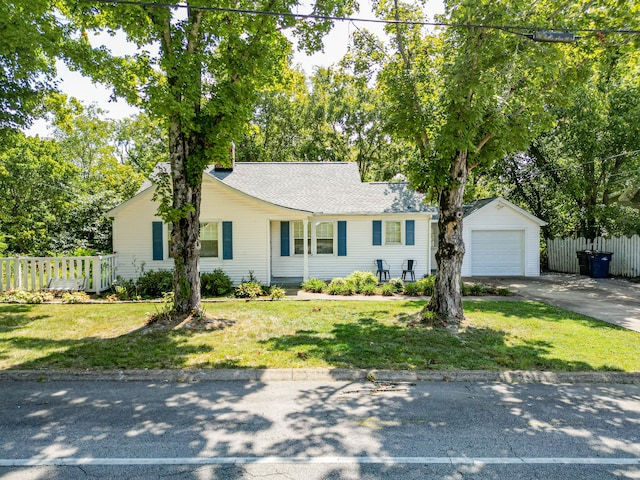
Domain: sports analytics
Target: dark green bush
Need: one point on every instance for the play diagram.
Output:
(215, 284)
(123, 290)
(153, 284)
(473, 289)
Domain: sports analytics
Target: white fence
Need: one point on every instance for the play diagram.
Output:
(35, 273)
(625, 260)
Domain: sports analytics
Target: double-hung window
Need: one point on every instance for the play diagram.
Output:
(324, 238)
(209, 239)
(392, 232)
(298, 238)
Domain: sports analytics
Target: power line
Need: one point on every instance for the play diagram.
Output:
(312, 16)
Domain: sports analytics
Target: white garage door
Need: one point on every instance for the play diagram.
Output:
(497, 253)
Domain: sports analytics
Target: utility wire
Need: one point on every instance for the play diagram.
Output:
(313, 16)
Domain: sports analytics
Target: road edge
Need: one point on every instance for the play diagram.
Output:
(320, 374)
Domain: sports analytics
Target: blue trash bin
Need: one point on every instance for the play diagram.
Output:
(599, 263)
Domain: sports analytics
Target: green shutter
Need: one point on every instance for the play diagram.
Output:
(377, 232)
(156, 232)
(285, 247)
(342, 238)
(227, 241)
(410, 232)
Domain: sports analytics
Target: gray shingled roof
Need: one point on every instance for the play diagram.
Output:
(477, 205)
(321, 187)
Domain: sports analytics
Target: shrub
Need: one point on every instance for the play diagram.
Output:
(153, 284)
(215, 284)
(123, 290)
(411, 289)
(251, 289)
(276, 293)
(75, 297)
(360, 279)
(314, 285)
(473, 289)
(388, 289)
(426, 285)
(369, 289)
(21, 296)
(339, 286)
(398, 284)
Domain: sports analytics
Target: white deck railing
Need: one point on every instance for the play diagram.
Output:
(36, 273)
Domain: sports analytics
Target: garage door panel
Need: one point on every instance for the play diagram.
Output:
(497, 252)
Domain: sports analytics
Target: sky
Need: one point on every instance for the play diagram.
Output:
(335, 46)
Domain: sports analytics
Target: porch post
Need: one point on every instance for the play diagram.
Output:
(305, 249)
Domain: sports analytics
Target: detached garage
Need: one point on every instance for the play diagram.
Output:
(501, 239)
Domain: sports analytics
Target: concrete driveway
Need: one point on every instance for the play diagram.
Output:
(611, 300)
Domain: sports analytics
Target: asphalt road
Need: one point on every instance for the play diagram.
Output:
(318, 430)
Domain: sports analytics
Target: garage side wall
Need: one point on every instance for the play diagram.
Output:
(499, 217)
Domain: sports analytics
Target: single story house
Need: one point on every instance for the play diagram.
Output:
(259, 217)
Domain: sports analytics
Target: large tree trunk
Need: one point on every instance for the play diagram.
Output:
(185, 235)
(446, 301)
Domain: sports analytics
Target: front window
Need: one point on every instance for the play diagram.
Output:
(324, 238)
(392, 233)
(298, 238)
(209, 239)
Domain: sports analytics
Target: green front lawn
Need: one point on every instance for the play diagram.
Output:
(291, 334)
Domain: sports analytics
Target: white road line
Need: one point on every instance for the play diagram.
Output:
(73, 461)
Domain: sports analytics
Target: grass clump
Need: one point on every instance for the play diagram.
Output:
(314, 285)
(412, 289)
(398, 285)
(339, 286)
(276, 293)
(369, 290)
(388, 289)
(75, 297)
(250, 290)
(361, 280)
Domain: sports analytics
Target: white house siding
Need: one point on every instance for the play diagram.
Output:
(132, 237)
(249, 217)
(494, 218)
(361, 253)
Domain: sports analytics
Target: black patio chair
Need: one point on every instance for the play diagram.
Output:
(408, 267)
(382, 269)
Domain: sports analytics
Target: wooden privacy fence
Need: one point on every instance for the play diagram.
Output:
(625, 261)
(97, 273)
